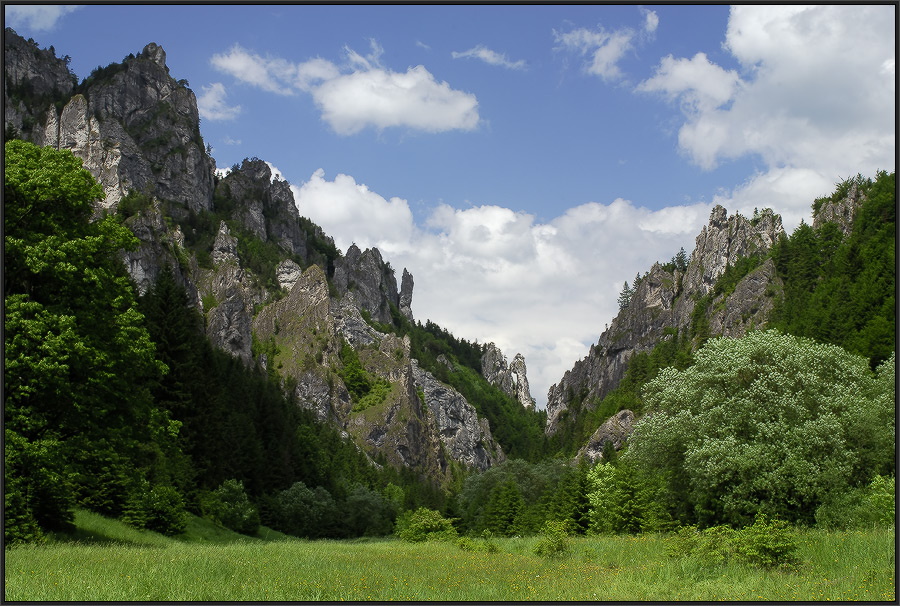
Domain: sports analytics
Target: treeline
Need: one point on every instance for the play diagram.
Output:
(841, 290)
(123, 407)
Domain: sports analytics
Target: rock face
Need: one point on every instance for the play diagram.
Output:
(511, 380)
(406, 292)
(373, 282)
(308, 328)
(239, 246)
(466, 437)
(35, 80)
(664, 300)
(264, 206)
(616, 429)
(842, 212)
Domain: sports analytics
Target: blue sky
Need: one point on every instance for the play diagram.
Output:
(521, 161)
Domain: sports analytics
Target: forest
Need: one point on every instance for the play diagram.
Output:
(118, 404)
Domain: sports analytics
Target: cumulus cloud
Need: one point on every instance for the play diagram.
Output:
(543, 289)
(351, 213)
(361, 93)
(490, 57)
(815, 100)
(383, 98)
(212, 105)
(37, 17)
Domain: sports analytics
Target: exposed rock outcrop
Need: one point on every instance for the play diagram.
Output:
(137, 129)
(665, 300)
(373, 282)
(406, 292)
(264, 206)
(512, 379)
(466, 437)
(616, 429)
(842, 212)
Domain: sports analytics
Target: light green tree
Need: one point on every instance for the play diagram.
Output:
(768, 422)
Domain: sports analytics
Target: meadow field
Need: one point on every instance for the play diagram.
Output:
(105, 560)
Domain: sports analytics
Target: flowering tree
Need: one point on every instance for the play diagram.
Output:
(770, 423)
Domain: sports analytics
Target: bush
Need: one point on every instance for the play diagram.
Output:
(764, 544)
(229, 506)
(553, 539)
(767, 544)
(424, 524)
(862, 507)
(157, 508)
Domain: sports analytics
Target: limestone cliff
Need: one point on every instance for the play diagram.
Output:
(373, 282)
(303, 335)
(511, 379)
(664, 299)
(274, 290)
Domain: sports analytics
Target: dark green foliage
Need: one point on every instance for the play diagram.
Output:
(842, 290)
(502, 510)
(625, 297)
(862, 507)
(133, 203)
(77, 358)
(355, 377)
(157, 508)
(303, 512)
(369, 513)
(516, 497)
(229, 506)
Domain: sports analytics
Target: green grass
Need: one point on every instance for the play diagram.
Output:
(110, 563)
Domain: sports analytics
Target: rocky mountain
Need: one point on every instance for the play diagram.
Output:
(668, 299)
(512, 379)
(273, 288)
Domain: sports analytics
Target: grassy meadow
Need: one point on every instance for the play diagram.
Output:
(105, 560)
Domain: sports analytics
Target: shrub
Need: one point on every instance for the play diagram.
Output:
(862, 507)
(764, 544)
(424, 524)
(767, 544)
(553, 539)
(157, 508)
(229, 506)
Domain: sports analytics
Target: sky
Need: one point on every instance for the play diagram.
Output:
(522, 162)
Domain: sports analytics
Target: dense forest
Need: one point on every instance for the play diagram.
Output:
(119, 404)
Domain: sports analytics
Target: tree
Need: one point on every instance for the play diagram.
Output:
(625, 296)
(770, 423)
(77, 356)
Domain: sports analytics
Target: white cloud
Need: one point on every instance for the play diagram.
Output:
(351, 213)
(605, 48)
(271, 74)
(37, 17)
(362, 94)
(815, 100)
(212, 106)
(382, 98)
(651, 20)
(490, 57)
(699, 84)
(493, 274)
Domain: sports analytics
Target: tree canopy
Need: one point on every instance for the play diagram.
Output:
(768, 422)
